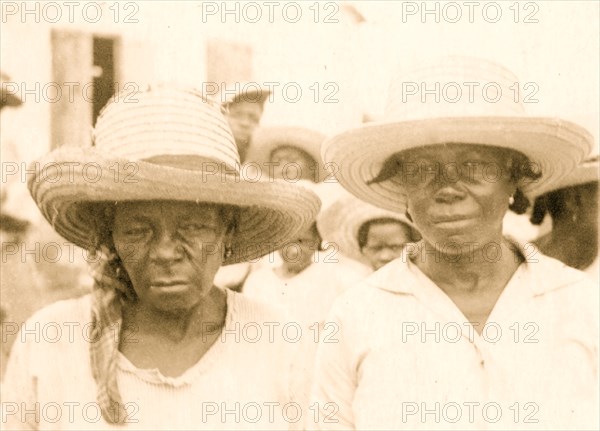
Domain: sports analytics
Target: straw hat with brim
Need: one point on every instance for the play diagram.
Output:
(488, 116)
(340, 222)
(7, 98)
(250, 92)
(166, 144)
(267, 139)
(586, 172)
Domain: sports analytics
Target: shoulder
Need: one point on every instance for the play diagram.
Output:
(553, 275)
(245, 308)
(64, 311)
(571, 295)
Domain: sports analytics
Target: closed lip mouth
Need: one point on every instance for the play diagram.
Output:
(168, 283)
(448, 219)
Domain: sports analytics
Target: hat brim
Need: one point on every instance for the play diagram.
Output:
(267, 139)
(555, 146)
(587, 172)
(271, 213)
(253, 95)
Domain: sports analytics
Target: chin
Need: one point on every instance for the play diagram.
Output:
(174, 307)
(173, 303)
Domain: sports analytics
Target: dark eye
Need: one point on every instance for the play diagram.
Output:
(205, 232)
(193, 227)
(136, 232)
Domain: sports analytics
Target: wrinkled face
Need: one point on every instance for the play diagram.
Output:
(385, 242)
(457, 193)
(170, 250)
(298, 254)
(244, 118)
(292, 164)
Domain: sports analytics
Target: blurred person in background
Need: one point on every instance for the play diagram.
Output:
(244, 111)
(21, 286)
(289, 154)
(304, 279)
(366, 233)
(162, 338)
(397, 364)
(572, 204)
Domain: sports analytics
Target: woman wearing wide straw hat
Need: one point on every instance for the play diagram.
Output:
(466, 330)
(164, 351)
(366, 233)
(288, 153)
(573, 206)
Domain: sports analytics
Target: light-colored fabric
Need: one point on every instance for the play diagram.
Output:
(242, 382)
(408, 359)
(593, 271)
(307, 298)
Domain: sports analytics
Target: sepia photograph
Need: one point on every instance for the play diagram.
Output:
(299, 215)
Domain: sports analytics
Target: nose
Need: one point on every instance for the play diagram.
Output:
(386, 255)
(244, 122)
(165, 249)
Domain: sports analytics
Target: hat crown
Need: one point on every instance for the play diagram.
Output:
(455, 87)
(165, 121)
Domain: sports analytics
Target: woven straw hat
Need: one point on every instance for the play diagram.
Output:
(166, 143)
(452, 113)
(340, 222)
(267, 139)
(586, 172)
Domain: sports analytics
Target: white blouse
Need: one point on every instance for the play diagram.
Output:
(406, 358)
(242, 381)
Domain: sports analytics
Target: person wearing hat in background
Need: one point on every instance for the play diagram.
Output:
(20, 282)
(289, 154)
(163, 343)
(415, 349)
(304, 279)
(244, 111)
(573, 206)
(16, 276)
(366, 233)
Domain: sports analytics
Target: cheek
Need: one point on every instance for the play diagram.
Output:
(128, 251)
(417, 207)
(204, 256)
(493, 201)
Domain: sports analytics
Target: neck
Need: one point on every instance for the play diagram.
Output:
(471, 269)
(206, 316)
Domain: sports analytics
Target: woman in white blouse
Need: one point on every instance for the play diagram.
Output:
(165, 349)
(466, 330)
